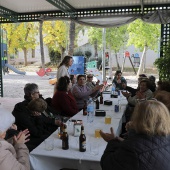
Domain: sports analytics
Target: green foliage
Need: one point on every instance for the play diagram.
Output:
(116, 37)
(21, 36)
(55, 34)
(142, 34)
(88, 54)
(163, 64)
(78, 53)
(55, 56)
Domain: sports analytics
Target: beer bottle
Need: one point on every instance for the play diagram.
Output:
(82, 140)
(97, 104)
(85, 108)
(60, 135)
(101, 98)
(65, 143)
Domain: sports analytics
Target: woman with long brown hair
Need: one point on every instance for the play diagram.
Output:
(63, 67)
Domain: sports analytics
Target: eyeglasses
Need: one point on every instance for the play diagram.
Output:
(89, 77)
(36, 92)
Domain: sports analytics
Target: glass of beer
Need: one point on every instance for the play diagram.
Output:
(97, 133)
(108, 120)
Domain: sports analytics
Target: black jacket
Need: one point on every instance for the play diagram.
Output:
(138, 152)
(40, 127)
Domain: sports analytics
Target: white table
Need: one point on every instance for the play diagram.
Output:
(57, 158)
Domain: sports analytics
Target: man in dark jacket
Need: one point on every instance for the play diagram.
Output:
(39, 126)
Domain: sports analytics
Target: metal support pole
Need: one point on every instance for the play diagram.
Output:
(1, 74)
(103, 54)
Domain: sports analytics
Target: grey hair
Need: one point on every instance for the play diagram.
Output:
(30, 88)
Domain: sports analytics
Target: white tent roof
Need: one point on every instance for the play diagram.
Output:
(24, 6)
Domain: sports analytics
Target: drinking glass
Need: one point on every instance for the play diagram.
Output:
(108, 120)
(97, 133)
(49, 144)
(94, 148)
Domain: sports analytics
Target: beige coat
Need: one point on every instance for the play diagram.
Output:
(13, 158)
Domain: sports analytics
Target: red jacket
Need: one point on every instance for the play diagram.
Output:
(64, 103)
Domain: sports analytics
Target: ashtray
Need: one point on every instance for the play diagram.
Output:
(107, 102)
(114, 96)
(100, 113)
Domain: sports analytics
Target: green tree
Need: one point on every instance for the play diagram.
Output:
(72, 33)
(143, 36)
(11, 38)
(21, 36)
(95, 38)
(55, 35)
(163, 64)
(116, 39)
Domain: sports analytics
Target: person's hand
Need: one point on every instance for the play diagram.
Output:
(58, 123)
(98, 81)
(124, 85)
(22, 137)
(108, 136)
(36, 113)
(97, 87)
(129, 125)
(126, 94)
(140, 95)
(26, 132)
(118, 81)
(14, 126)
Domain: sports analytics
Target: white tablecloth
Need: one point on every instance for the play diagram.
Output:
(57, 158)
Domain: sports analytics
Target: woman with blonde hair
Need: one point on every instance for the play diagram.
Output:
(148, 147)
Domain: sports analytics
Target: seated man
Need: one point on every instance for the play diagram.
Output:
(39, 126)
(91, 84)
(89, 81)
(82, 92)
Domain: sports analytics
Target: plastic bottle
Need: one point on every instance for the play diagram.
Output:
(113, 88)
(90, 111)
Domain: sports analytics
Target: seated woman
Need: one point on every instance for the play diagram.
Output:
(12, 156)
(144, 93)
(82, 92)
(148, 147)
(63, 101)
(164, 97)
(163, 85)
(118, 80)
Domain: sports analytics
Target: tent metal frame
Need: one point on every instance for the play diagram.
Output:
(68, 12)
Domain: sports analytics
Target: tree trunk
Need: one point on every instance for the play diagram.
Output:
(62, 49)
(41, 45)
(25, 56)
(144, 63)
(33, 53)
(95, 49)
(117, 62)
(71, 38)
(141, 61)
